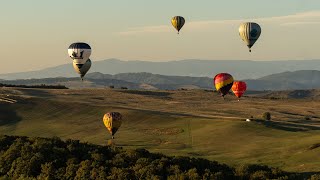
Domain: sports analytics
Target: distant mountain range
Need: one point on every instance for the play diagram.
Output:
(240, 69)
(304, 79)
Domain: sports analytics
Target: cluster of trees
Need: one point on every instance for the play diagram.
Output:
(122, 87)
(43, 86)
(43, 158)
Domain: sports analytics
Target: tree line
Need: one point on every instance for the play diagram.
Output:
(42, 86)
(51, 158)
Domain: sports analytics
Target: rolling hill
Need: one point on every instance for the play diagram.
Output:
(304, 79)
(240, 69)
(297, 80)
(194, 123)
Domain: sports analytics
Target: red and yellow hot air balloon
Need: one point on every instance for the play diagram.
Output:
(112, 121)
(238, 88)
(223, 83)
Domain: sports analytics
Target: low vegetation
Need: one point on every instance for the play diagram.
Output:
(314, 146)
(315, 177)
(44, 158)
(266, 116)
(42, 86)
(307, 118)
(307, 80)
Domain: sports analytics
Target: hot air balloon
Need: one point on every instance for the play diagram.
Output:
(82, 69)
(112, 121)
(238, 88)
(79, 52)
(223, 83)
(249, 33)
(177, 22)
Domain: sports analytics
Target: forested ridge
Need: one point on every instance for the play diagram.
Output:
(52, 158)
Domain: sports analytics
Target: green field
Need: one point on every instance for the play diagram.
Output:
(194, 123)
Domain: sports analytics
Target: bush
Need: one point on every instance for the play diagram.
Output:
(111, 87)
(314, 146)
(42, 86)
(315, 177)
(308, 118)
(266, 116)
(259, 175)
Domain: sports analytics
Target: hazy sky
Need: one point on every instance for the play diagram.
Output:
(36, 34)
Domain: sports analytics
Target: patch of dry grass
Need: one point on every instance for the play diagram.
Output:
(191, 122)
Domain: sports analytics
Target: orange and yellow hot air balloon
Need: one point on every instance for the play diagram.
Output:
(112, 121)
(223, 83)
(238, 88)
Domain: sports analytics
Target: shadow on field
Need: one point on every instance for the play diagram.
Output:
(149, 93)
(302, 121)
(37, 92)
(164, 113)
(288, 126)
(296, 114)
(8, 115)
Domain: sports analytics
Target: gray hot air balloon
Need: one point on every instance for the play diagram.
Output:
(82, 69)
(79, 52)
(249, 33)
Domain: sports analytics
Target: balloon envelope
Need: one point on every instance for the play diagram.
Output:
(238, 88)
(112, 121)
(223, 83)
(249, 33)
(79, 52)
(177, 22)
(82, 69)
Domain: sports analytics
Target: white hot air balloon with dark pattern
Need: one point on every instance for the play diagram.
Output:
(249, 33)
(82, 69)
(80, 52)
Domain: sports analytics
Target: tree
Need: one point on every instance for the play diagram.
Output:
(266, 116)
(315, 177)
(307, 118)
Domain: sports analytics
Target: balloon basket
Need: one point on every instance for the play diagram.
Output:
(110, 142)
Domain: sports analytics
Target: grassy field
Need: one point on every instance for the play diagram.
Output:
(194, 123)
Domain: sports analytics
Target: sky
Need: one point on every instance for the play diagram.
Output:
(36, 34)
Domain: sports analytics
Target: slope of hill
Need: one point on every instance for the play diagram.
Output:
(158, 81)
(240, 69)
(76, 82)
(298, 80)
(195, 123)
(311, 94)
(304, 79)
(129, 80)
